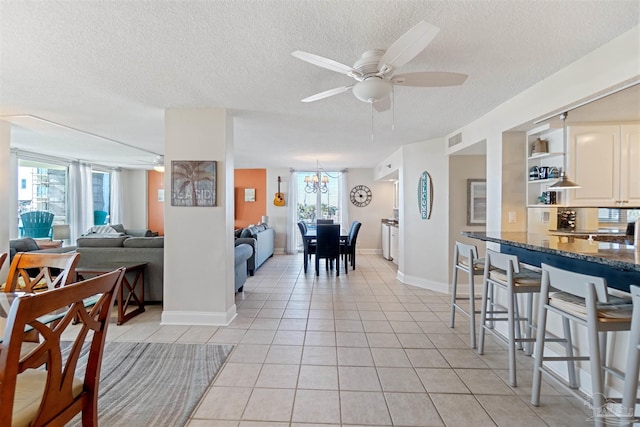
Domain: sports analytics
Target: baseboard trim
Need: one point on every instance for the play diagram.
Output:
(423, 283)
(204, 318)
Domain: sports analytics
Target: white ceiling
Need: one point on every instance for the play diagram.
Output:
(109, 69)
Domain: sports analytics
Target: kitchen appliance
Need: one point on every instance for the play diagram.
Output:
(386, 241)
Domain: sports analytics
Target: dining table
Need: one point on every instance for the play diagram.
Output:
(312, 235)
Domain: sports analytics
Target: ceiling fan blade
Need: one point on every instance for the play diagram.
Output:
(408, 46)
(327, 93)
(429, 79)
(323, 62)
(382, 105)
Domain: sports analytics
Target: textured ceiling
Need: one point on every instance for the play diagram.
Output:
(109, 68)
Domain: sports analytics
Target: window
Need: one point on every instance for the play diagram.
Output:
(101, 191)
(318, 197)
(23, 184)
(43, 187)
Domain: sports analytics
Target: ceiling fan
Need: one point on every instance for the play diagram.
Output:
(374, 71)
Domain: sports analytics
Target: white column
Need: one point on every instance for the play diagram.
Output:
(199, 247)
(7, 179)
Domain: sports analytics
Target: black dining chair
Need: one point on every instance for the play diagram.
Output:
(309, 245)
(328, 245)
(324, 221)
(349, 247)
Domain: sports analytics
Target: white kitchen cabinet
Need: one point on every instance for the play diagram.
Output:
(386, 241)
(605, 162)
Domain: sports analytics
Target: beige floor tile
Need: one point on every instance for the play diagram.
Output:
(354, 356)
(426, 358)
(441, 381)
(238, 374)
(510, 411)
(372, 315)
(269, 405)
(424, 316)
(319, 338)
(434, 327)
(483, 381)
(320, 314)
(278, 376)
(368, 408)
(223, 403)
(349, 325)
(413, 409)
(358, 378)
(288, 338)
(319, 356)
(318, 377)
(346, 314)
(414, 340)
(228, 336)
(211, 423)
(558, 411)
(259, 336)
(390, 357)
(262, 424)
(284, 354)
(270, 324)
(316, 406)
(461, 410)
(249, 353)
(291, 313)
(463, 359)
(400, 379)
(321, 325)
(389, 340)
(351, 339)
(449, 340)
(197, 334)
(410, 327)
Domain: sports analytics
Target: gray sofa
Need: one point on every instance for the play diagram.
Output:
(262, 239)
(27, 244)
(242, 253)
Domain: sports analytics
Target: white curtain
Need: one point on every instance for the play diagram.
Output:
(80, 199)
(291, 245)
(115, 201)
(343, 203)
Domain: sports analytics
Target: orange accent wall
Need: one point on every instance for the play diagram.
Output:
(155, 209)
(250, 212)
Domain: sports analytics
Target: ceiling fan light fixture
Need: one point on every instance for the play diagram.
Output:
(158, 165)
(372, 89)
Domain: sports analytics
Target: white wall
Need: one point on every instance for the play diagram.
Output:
(7, 185)
(423, 243)
(134, 189)
(199, 249)
(278, 214)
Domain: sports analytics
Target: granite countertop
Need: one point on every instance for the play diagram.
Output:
(616, 255)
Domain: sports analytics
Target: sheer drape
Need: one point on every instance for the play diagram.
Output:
(115, 216)
(343, 203)
(80, 199)
(291, 245)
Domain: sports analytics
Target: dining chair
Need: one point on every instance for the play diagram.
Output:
(350, 250)
(309, 245)
(466, 260)
(41, 387)
(33, 272)
(3, 257)
(579, 299)
(324, 221)
(328, 245)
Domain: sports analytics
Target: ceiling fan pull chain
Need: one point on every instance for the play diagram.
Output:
(393, 109)
(371, 121)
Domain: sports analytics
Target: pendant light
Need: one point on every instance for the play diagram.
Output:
(564, 183)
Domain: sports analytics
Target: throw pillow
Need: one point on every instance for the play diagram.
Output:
(102, 229)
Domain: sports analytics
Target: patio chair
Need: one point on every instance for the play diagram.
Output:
(100, 217)
(36, 224)
(40, 387)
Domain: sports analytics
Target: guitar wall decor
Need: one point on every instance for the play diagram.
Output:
(279, 199)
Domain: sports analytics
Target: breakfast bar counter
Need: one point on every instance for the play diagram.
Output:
(617, 262)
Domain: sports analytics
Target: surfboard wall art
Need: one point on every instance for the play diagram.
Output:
(425, 195)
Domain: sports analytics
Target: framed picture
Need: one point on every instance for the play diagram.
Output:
(193, 183)
(476, 201)
(249, 194)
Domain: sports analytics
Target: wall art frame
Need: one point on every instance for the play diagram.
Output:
(193, 183)
(476, 201)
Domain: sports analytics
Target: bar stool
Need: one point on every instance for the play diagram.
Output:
(464, 257)
(575, 300)
(630, 393)
(504, 271)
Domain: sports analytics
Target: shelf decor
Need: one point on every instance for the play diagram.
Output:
(476, 201)
(193, 183)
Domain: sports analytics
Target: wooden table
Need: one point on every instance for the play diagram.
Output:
(133, 289)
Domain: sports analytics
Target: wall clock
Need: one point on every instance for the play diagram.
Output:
(360, 195)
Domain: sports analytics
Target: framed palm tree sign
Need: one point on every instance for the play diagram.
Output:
(193, 183)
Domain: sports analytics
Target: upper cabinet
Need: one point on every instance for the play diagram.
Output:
(605, 162)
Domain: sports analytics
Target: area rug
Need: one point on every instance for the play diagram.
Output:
(154, 384)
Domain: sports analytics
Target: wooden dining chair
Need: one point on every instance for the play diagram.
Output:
(328, 245)
(3, 257)
(33, 272)
(34, 396)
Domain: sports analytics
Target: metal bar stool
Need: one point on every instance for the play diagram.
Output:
(584, 300)
(465, 258)
(504, 271)
(630, 393)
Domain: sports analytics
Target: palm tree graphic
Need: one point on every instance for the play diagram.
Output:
(194, 183)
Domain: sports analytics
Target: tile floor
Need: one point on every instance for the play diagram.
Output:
(359, 350)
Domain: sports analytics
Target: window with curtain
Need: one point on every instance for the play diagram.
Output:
(101, 183)
(318, 196)
(42, 187)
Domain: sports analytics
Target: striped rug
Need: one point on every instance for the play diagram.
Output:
(154, 384)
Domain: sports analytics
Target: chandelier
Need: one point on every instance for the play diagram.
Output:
(313, 184)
